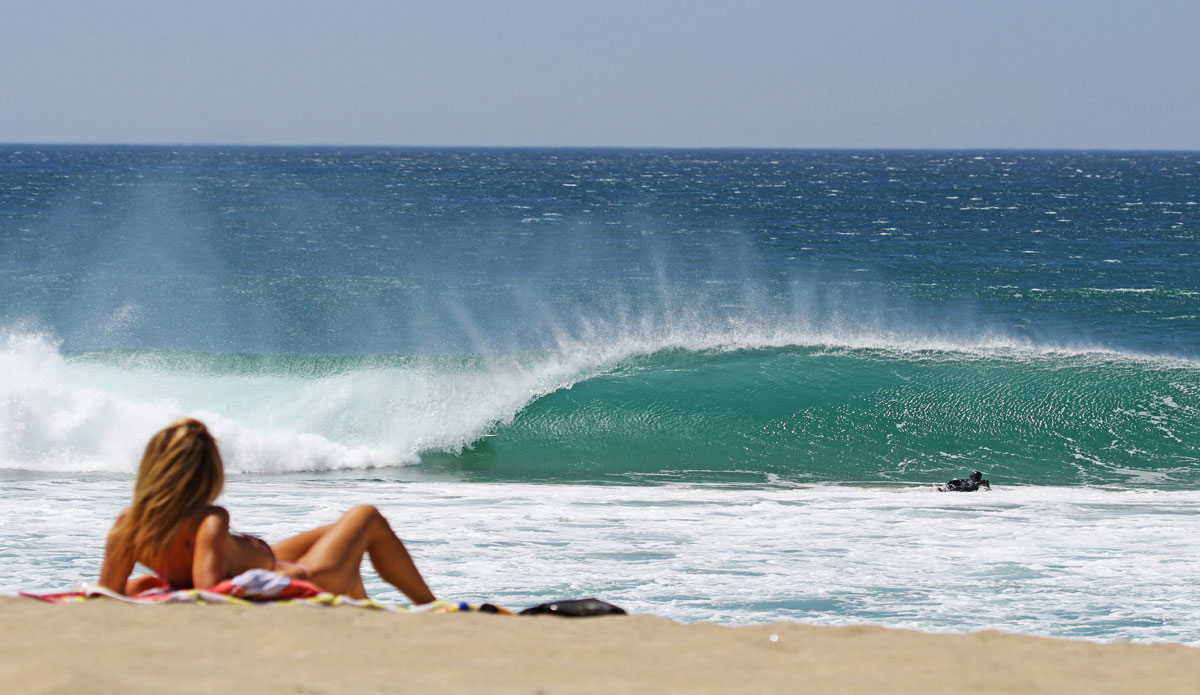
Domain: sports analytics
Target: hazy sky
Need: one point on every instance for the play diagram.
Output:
(762, 73)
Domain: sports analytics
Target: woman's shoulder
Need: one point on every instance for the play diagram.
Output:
(210, 518)
(211, 510)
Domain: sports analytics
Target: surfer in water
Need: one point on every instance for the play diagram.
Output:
(971, 484)
(174, 528)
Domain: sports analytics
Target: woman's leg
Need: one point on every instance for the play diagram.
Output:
(292, 549)
(289, 551)
(332, 555)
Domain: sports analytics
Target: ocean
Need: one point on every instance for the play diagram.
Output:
(703, 384)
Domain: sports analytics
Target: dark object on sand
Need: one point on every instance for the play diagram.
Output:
(575, 608)
(971, 484)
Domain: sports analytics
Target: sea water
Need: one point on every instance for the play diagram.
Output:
(708, 385)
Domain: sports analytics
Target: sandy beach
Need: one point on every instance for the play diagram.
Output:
(107, 647)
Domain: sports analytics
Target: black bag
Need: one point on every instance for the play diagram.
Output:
(575, 608)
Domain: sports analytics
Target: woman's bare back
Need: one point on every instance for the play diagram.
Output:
(205, 546)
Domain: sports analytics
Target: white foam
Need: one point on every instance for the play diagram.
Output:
(51, 421)
(48, 423)
(1084, 563)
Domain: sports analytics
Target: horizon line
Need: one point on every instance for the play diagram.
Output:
(830, 148)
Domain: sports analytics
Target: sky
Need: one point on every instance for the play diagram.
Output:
(1088, 74)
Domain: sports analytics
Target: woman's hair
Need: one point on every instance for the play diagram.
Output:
(181, 470)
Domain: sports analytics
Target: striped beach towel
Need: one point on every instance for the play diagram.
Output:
(258, 586)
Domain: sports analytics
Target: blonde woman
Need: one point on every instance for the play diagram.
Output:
(173, 528)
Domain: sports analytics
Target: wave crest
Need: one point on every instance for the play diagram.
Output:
(797, 405)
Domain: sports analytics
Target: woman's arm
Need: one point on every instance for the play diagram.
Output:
(214, 548)
(118, 565)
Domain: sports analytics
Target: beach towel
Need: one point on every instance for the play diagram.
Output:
(258, 586)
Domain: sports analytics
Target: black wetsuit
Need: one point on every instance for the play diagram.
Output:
(971, 484)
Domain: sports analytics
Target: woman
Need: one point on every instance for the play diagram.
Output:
(173, 528)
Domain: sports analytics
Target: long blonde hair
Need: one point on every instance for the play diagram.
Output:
(181, 471)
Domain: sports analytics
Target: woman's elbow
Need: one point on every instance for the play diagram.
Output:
(209, 575)
(142, 584)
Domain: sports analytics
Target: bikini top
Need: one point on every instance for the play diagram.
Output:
(260, 543)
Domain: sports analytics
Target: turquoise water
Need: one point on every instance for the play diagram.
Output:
(781, 414)
(757, 329)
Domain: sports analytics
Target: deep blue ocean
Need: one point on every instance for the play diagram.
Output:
(630, 346)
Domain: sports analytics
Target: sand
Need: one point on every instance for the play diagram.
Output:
(108, 647)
